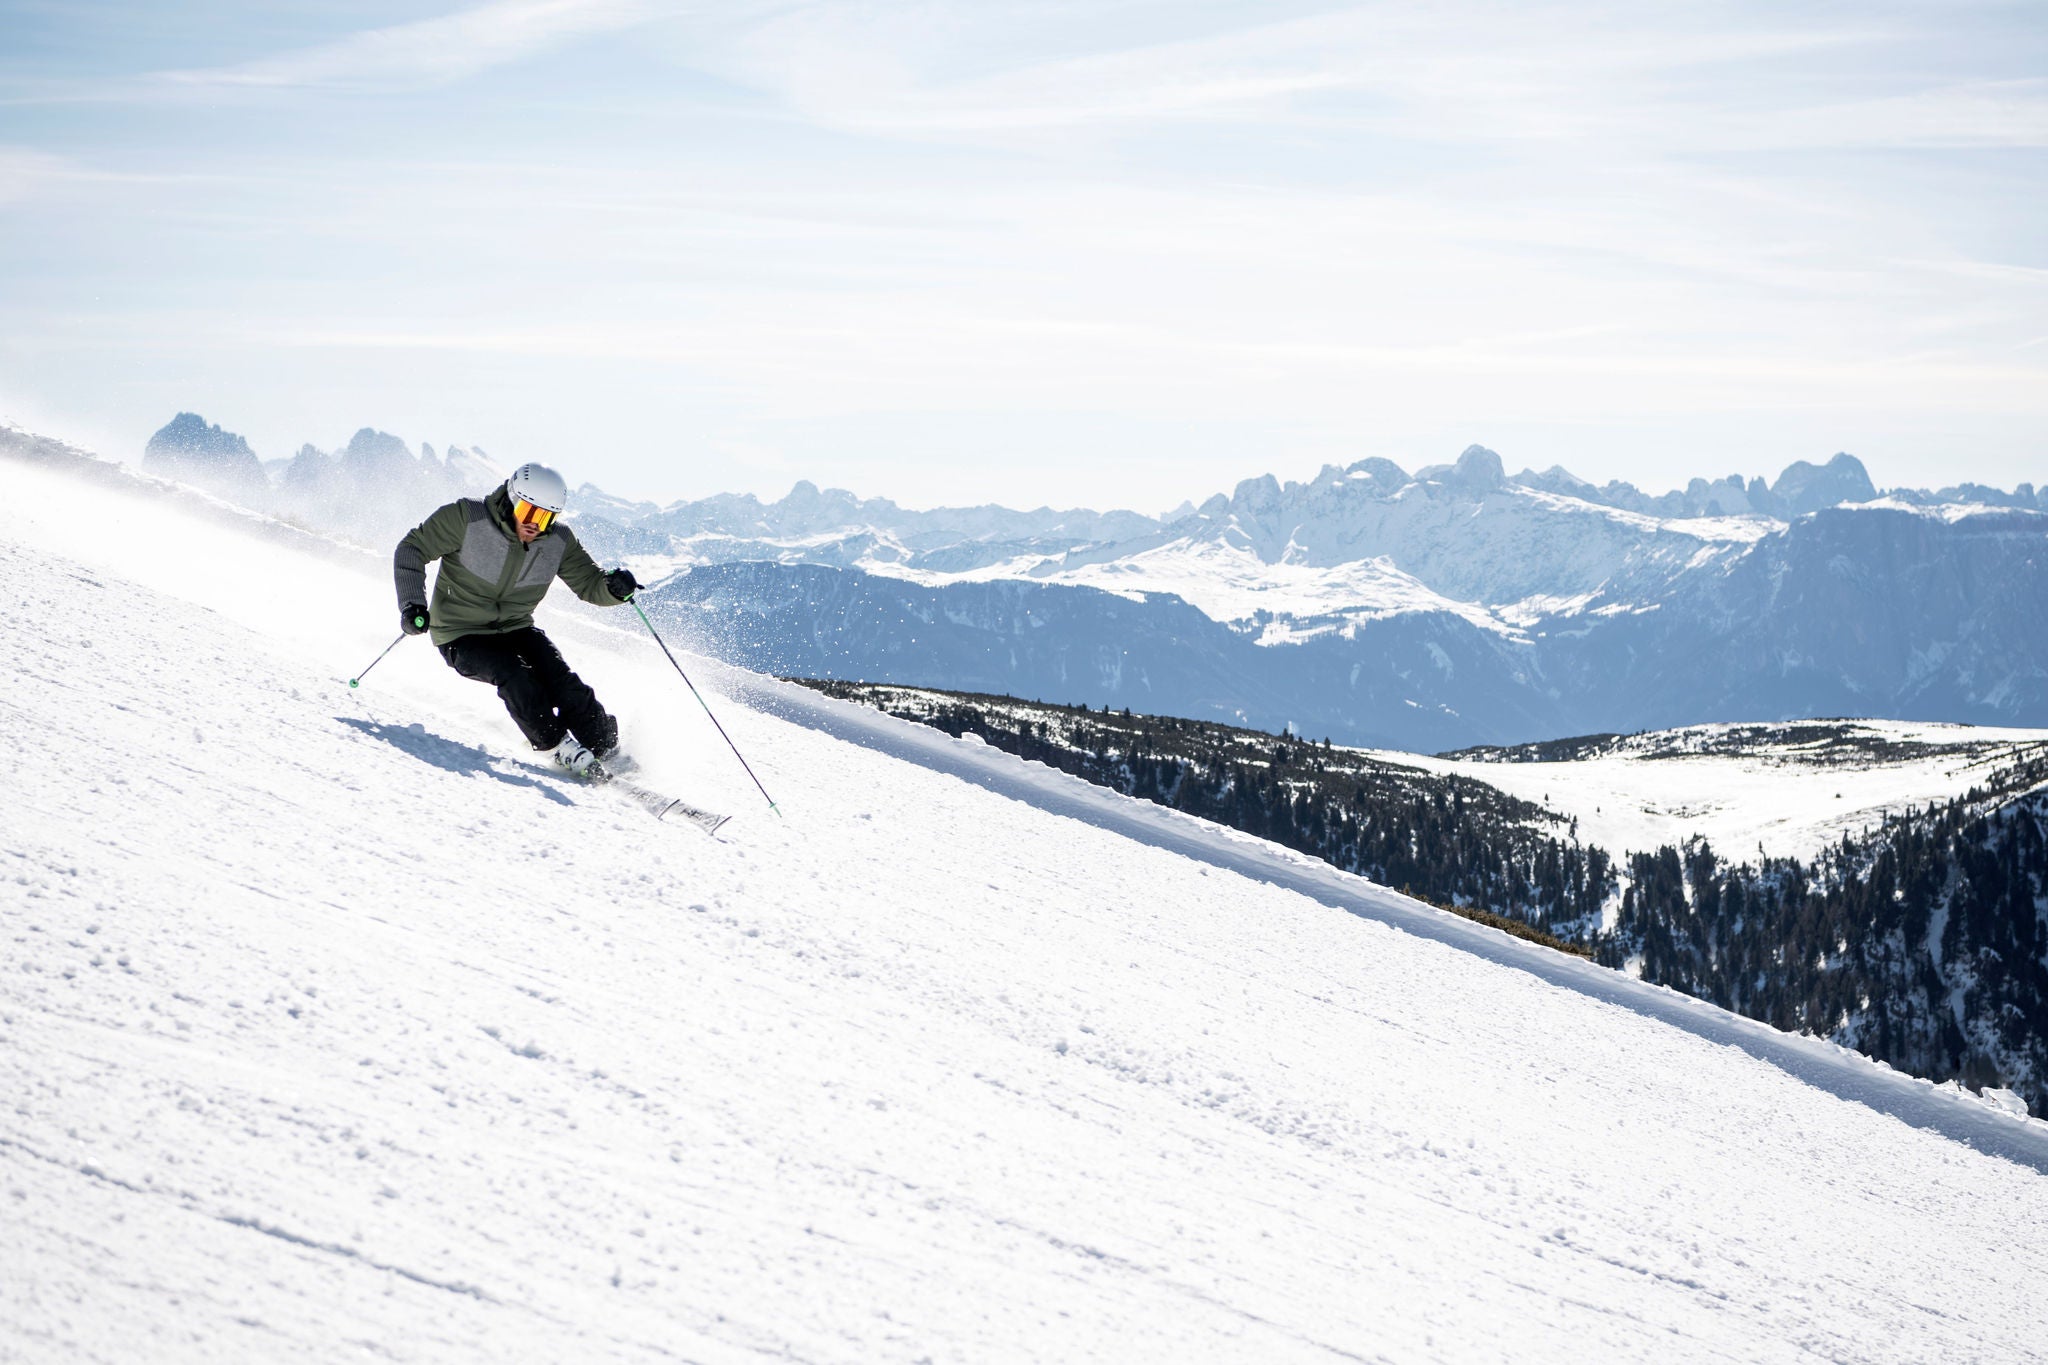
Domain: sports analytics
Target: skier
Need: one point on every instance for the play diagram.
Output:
(499, 555)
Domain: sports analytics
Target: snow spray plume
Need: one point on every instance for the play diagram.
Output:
(701, 702)
(374, 662)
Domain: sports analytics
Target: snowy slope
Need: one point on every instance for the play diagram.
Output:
(1226, 581)
(332, 1030)
(1789, 800)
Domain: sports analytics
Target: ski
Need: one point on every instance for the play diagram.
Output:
(663, 807)
(608, 774)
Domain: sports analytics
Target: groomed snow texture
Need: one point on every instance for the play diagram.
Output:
(332, 1028)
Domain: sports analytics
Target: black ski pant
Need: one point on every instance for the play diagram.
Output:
(546, 700)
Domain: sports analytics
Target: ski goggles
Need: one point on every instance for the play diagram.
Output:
(536, 517)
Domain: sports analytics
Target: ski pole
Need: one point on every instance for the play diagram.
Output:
(705, 704)
(374, 662)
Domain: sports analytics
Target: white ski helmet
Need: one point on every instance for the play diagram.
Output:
(539, 485)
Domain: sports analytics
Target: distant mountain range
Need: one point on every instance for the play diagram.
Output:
(373, 486)
(1453, 606)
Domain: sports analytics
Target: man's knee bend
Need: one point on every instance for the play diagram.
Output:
(481, 664)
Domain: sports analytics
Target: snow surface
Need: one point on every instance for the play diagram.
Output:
(1229, 582)
(1226, 581)
(1784, 801)
(334, 1029)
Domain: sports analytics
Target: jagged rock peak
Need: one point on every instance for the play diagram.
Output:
(1478, 469)
(1558, 474)
(1385, 476)
(1728, 497)
(1255, 494)
(189, 436)
(1805, 487)
(371, 444)
(191, 449)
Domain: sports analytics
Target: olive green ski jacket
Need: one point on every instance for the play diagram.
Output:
(489, 583)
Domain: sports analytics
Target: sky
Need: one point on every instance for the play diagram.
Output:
(1115, 253)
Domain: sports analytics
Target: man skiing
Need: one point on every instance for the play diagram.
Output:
(499, 555)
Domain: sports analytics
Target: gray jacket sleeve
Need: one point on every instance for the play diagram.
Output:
(440, 534)
(581, 573)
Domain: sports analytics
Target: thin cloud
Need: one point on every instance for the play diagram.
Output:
(2001, 271)
(1982, 114)
(28, 173)
(24, 172)
(1405, 68)
(427, 52)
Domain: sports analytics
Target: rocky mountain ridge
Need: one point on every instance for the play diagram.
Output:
(189, 448)
(1453, 606)
(371, 486)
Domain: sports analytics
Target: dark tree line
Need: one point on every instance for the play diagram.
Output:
(1922, 943)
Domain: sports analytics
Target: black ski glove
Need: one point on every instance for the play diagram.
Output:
(412, 618)
(621, 584)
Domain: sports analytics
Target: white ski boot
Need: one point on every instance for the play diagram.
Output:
(571, 754)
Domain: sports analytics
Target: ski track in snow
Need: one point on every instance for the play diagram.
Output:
(332, 1027)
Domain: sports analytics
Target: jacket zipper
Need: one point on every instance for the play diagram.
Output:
(515, 564)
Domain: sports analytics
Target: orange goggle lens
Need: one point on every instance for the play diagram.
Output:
(536, 517)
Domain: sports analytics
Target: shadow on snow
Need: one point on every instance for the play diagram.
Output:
(449, 755)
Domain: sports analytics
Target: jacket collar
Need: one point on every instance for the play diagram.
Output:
(499, 504)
